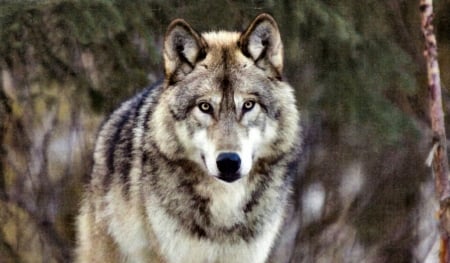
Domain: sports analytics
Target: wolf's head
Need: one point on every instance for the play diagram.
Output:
(224, 104)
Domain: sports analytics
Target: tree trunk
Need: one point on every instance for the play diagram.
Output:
(439, 153)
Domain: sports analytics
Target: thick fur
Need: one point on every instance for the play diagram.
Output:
(156, 193)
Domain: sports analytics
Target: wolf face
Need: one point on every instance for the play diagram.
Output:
(225, 133)
(220, 94)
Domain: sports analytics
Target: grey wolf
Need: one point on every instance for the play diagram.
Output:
(196, 168)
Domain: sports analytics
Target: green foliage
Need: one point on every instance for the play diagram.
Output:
(52, 36)
(355, 62)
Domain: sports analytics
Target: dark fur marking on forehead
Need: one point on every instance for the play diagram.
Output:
(226, 83)
(227, 104)
(225, 58)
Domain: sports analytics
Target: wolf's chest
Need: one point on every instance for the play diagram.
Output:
(181, 246)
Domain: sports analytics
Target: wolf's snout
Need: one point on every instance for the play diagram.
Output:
(228, 164)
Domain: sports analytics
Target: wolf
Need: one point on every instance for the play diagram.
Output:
(198, 167)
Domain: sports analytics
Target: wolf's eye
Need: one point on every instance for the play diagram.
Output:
(205, 107)
(248, 105)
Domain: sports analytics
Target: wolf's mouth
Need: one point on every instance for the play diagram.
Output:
(229, 178)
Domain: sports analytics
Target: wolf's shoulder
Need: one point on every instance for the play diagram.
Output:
(131, 108)
(119, 135)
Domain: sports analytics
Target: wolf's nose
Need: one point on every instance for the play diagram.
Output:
(228, 162)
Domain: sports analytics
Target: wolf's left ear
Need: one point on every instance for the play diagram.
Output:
(261, 42)
(183, 48)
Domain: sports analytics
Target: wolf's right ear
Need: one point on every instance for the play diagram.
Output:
(183, 48)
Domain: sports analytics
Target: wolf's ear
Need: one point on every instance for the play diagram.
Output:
(183, 48)
(261, 42)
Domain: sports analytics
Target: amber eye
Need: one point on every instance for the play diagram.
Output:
(205, 107)
(248, 105)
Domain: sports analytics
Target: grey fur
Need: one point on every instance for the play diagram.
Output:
(154, 195)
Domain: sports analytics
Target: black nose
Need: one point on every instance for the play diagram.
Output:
(228, 164)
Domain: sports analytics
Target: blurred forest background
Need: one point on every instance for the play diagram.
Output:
(363, 193)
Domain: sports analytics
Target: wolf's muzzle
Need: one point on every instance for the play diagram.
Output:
(228, 164)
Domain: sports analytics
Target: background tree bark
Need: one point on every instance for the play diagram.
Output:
(439, 151)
